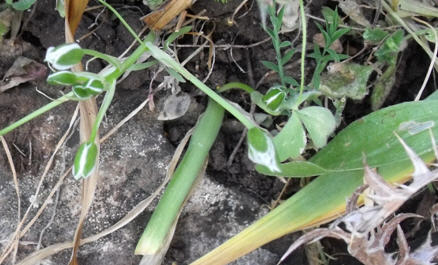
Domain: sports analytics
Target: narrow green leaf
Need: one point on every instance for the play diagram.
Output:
(142, 66)
(291, 140)
(319, 122)
(287, 56)
(291, 81)
(285, 44)
(295, 169)
(176, 75)
(270, 65)
(339, 33)
(172, 37)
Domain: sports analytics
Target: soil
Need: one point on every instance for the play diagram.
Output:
(134, 160)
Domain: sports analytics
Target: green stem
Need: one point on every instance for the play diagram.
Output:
(278, 57)
(237, 85)
(111, 59)
(122, 20)
(36, 113)
(168, 61)
(103, 108)
(178, 190)
(303, 48)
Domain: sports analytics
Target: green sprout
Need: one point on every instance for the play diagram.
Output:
(331, 32)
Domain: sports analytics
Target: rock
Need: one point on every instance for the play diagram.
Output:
(214, 214)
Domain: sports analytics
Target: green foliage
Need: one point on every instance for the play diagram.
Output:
(390, 48)
(282, 58)
(20, 5)
(331, 32)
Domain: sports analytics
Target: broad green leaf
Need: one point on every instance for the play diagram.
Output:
(291, 140)
(274, 97)
(85, 160)
(325, 197)
(261, 149)
(319, 122)
(346, 80)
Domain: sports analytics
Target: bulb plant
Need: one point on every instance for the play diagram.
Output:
(339, 164)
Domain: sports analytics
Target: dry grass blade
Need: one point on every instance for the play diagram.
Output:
(88, 111)
(73, 13)
(158, 19)
(18, 234)
(17, 190)
(38, 256)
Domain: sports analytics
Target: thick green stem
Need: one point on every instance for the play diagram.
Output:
(168, 209)
(36, 113)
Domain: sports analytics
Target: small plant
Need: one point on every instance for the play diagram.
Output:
(286, 82)
(331, 32)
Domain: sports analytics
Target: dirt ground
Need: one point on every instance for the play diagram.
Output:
(134, 160)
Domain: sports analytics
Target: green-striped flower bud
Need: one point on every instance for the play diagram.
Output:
(95, 85)
(274, 97)
(261, 149)
(64, 56)
(63, 78)
(85, 160)
(82, 92)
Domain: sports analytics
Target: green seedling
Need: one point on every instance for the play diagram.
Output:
(331, 32)
(281, 58)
